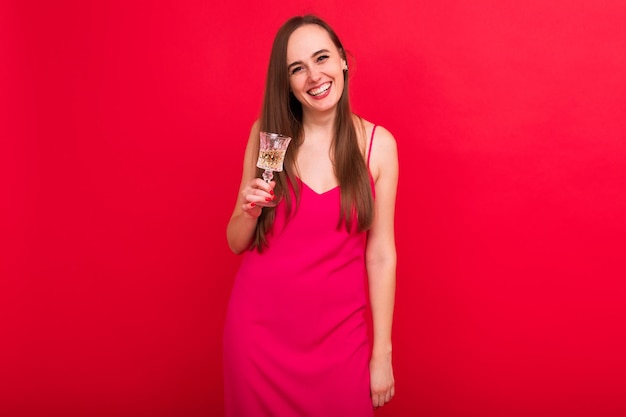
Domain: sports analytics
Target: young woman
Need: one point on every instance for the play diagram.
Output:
(317, 241)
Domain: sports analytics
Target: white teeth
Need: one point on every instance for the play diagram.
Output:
(319, 90)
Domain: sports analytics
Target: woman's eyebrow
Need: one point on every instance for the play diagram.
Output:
(320, 51)
(293, 64)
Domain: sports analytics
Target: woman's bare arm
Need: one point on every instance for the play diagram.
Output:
(254, 194)
(381, 264)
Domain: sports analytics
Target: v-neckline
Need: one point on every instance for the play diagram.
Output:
(317, 192)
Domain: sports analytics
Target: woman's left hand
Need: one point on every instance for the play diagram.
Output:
(382, 384)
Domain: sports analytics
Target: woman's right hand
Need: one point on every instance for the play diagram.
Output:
(257, 194)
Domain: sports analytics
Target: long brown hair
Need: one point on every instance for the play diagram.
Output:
(282, 113)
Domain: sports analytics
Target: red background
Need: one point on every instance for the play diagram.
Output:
(123, 129)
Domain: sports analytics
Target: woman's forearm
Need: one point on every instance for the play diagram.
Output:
(382, 288)
(240, 232)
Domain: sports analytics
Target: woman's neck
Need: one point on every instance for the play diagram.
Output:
(319, 124)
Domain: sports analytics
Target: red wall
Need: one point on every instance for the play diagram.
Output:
(123, 128)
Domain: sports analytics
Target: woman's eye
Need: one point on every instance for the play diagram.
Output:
(295, 70)
(322, 58)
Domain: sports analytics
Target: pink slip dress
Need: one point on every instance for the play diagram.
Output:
(296, 340)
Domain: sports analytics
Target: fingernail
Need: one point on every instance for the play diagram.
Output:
(252, 204)
(268, 198)
(272, 192)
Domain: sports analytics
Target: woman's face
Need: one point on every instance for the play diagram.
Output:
(315, 69)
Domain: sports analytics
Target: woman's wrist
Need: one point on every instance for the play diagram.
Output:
(381, 351)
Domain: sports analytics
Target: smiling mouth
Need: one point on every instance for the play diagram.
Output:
(319, 90)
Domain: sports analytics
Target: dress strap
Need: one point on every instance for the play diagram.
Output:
(369, 151)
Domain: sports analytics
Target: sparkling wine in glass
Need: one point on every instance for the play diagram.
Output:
(272, 153)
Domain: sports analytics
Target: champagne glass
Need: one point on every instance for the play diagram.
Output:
(272, 153)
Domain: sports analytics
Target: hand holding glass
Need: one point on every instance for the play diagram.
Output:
(272, 153)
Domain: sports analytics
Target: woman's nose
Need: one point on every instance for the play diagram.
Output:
(314, 74)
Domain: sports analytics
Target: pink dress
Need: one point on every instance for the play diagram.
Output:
(296, 337)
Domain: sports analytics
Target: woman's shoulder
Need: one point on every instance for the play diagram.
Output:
(256, 126)
(380, 149)
(380, 137)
